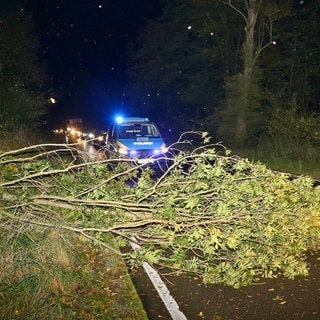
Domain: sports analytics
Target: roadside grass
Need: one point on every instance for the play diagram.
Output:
(296, 167)
(54, 275)
(297, 160)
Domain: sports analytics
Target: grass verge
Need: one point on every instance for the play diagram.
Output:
(296, 160)
(50, 275)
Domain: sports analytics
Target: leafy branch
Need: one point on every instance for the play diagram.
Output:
(219, 216)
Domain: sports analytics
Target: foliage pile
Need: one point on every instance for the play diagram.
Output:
(216, 215)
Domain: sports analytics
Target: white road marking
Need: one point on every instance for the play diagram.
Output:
(162, 289)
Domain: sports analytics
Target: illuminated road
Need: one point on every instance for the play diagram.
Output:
(89, 152)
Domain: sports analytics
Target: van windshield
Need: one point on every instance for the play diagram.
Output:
(132, 131)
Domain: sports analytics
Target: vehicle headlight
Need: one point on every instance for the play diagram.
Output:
(164, 149)
(90, 135)
(123, 151)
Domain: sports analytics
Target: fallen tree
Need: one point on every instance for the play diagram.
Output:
(219, 216)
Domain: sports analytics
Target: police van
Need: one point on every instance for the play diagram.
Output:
(135, 138)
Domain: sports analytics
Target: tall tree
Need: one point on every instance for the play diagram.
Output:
(241, 117)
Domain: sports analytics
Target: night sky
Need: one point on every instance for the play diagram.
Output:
(85, 45)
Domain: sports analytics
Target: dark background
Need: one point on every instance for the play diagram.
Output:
(85, 45)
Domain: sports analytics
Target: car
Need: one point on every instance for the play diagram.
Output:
(135, 138)
(94, 137)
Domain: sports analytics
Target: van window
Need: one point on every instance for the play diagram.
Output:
(137, 130)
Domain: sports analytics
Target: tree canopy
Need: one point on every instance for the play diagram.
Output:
(218, 65)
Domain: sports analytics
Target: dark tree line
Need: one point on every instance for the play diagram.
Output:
(230, 67)
(246, 71)
(23, 84)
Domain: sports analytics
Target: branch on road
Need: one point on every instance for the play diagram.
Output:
(219, 216)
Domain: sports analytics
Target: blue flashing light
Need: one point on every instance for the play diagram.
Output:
(135, 119)
(119, 119)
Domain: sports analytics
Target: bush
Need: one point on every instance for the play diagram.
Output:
(293, 135)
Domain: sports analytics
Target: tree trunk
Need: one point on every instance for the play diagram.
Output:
(245, 80)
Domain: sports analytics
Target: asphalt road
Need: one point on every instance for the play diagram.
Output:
(270, 299)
